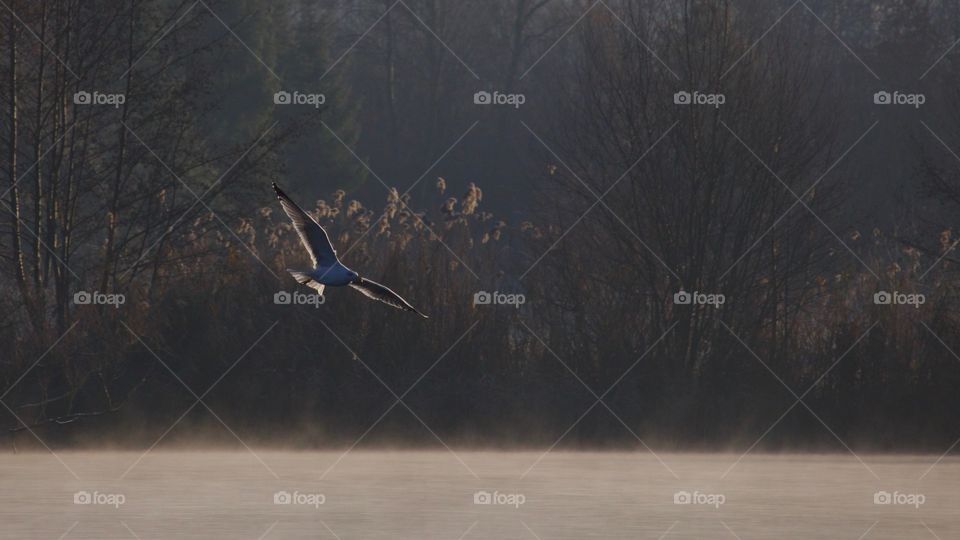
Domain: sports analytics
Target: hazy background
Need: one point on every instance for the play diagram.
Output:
(797, 199)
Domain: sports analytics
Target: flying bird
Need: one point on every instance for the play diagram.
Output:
(327, 268)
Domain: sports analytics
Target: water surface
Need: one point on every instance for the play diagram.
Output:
(431, 494)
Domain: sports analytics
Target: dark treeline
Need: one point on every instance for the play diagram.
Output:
(139, 140)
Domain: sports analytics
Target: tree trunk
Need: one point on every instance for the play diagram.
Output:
(15, 226)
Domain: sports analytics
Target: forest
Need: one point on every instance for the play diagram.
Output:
(726, 228)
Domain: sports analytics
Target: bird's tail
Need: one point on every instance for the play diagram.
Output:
(302, 277)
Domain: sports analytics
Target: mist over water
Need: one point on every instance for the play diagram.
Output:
(471, 495)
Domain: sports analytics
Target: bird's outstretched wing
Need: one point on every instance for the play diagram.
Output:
(372, 289)
(312, 235)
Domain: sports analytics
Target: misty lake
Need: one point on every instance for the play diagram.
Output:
(470, 495)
